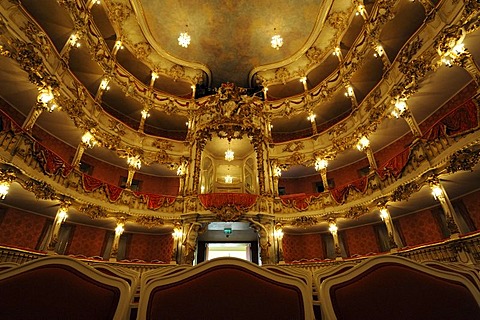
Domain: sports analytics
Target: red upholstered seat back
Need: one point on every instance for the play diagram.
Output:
(226, 292)
(113, 274)
(56, 292)
(396, 291)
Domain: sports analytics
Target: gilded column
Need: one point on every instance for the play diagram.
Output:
(116, 240)
(393, 237)
(364, 145)
(336, 243)
(60, 218)
(453, 221)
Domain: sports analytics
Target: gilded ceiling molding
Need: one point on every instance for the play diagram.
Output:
(145, 31)
(326, 7)
(420, 63)
(338, 20)
(101, 54)
(120, 129)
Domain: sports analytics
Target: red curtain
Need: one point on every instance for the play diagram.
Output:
(113, 192)
(50, 162)
(90, 183)
(395, 165)
(340, 193)
(300, 201)
(155, 201)
(461, 119)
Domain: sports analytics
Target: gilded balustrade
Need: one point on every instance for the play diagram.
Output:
(463, 250)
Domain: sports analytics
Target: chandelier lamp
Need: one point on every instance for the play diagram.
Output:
(228, 179)
(229, 154)
(277, 41)
(184, 39)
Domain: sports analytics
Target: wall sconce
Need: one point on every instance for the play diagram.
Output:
(145, 114)
(332, 227)
(384, 214)
(134, 162)
(119, 229)
(337, 52)
(177, 231)
(400, 108)
(62, 213)
(4, 188)
(320, 164)
(182, 169)
(350, 92)
(278, 232)
(118, 45)
(361, 11)
(379, 51)
(363, 143)
(89, 140)
(277, 172)
(104, 84)
(45, 96)
(6, 178)
(437, 191)
(74, 40)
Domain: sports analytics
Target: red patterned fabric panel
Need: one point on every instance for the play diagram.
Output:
(472, 202)
(298, 247)
(151, 247)
(87, 241)
(361, 240)
(419, 228)
(21, 229)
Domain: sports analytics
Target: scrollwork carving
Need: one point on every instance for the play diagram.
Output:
(42, 190)
(93, 211)
(404, 191)
(463, 160)
(149, 221)
(304, 221)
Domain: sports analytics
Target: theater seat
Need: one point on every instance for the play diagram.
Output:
(391, 287)
(7, 265)
(60, 287)
(225, 288)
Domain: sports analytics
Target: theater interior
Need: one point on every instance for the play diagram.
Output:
(318, 157)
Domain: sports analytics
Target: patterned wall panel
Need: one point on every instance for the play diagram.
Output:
(298, 247)
(361, 240)
(21, 229)
(87, 241)
(150, 247)
(420, 228)
(472, 202)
